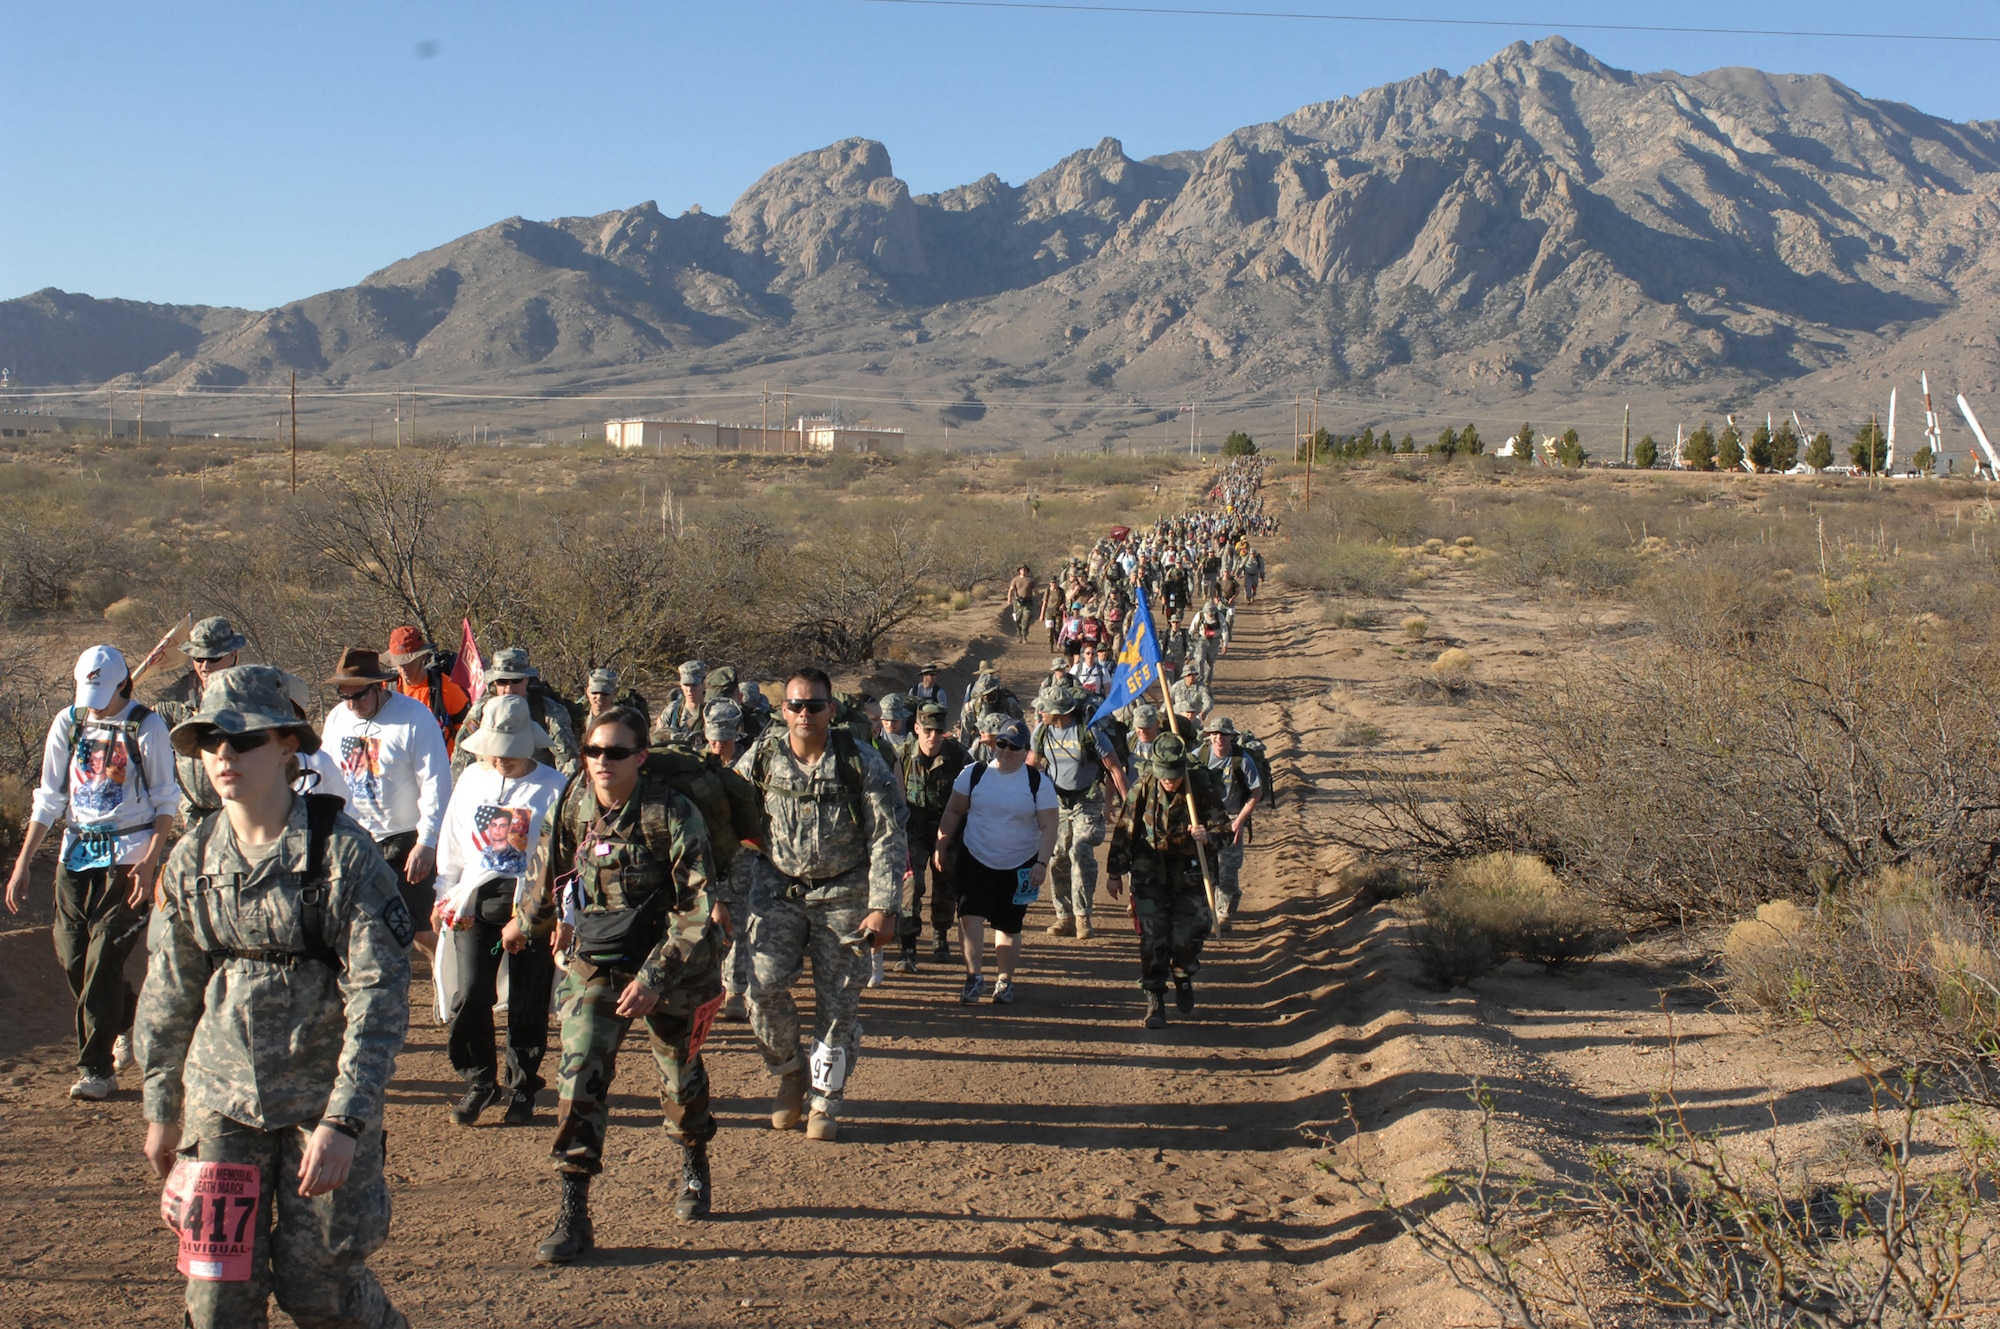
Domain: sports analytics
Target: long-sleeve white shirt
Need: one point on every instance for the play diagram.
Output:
(330, 782)
(87, 771)
(492, 827)
(398, 773)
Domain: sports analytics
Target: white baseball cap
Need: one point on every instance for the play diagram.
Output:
(99, 671)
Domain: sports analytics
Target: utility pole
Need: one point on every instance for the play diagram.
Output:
(1191, 406)
(764, 435)
(142, 415)
(1625, 451)
(784, 418)
(1295, 426)
(1312, 446)
(295, 431)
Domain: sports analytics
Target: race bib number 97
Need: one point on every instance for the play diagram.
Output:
(213, 1208)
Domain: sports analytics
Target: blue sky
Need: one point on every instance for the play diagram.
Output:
(229, 153)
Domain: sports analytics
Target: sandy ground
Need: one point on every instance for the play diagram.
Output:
(1052, 1163)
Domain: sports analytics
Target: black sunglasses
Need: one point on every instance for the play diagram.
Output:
(613, 752)
(1000, 746)
(810, 705)
(213, 740)
(356, 694)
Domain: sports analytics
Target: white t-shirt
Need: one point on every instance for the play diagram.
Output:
(1002, 827)
(492, 828)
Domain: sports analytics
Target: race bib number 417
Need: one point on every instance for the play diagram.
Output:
(213, 1208)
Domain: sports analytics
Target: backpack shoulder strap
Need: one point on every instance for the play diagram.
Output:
(847, 764)
(321, 812)
(1035, 787)
(978, 774)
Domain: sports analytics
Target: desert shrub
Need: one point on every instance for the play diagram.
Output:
(1398, 516)
(1896, 966)
(1539, 544)
(1498, 905)
(1452, 670)
(1415, 626)
(1320, 563)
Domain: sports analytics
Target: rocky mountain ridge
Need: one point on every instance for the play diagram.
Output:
(1543, 223)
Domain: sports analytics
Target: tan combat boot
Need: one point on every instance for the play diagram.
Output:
(789, 1104)
(822, 1126)
(1062, 927)
(1083, 932)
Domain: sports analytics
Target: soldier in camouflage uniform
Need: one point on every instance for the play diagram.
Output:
(627, 859)
(276, 1001)
(511, 675)
(829, 888)
(1192, 699)
(934, 761)
(1068, 750)
(212, 647)
(680, 723)
(1155, 842)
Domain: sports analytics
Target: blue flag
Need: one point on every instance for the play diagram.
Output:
(1138, 663)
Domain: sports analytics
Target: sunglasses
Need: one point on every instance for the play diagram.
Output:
(1000, 746)
(610, 752)
(215, 739)
(806, 705)
(356, 694)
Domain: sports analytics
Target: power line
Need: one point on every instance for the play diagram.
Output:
(1419, 21)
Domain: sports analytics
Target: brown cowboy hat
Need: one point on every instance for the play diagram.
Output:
(359, 665)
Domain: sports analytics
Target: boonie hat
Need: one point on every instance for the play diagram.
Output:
(359, 665)
(1004, 727)
(722, 680)
(99, 671)
(603, 682)
(933, 716)
(722, 722)
(1221, 724)
(896, 706)
(510, 663)
(1059, 662)
(212, 639)
(406, 644)
(692, 673)
(1055, 701)
(245, 699)
(1168, 758)
(507, 729)
(1145, 716)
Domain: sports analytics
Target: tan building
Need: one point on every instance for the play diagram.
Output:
(826, 436)
(806, 435)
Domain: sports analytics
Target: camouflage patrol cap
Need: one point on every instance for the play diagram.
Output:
(1145, 716)
(604, 682)
(896, 706)
(1168, 760)
(933, 716)
(722, 680)
(212, 639)
(722, 722)
(693, 672)
(511, 663)
(246, 699)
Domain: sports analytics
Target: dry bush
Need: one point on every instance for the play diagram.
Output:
(1500, 905)
(1542, 544)
(1415, 626)
(1317, 561)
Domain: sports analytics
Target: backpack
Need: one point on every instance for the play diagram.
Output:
(1090, 752)
(979, 769)
(541, 697)
(128, 733)
(322, 810)
(688, 775)
(1251, 746)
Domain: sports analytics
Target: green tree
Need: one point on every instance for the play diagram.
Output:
(1409, 443)
(1819, 452)
(1524, 442)
(1470, 443)
(1925, 461)
(1368, 440)
(1870, 450)
(1238, 444)
(1760, 453)
(1569, 450)
(1446, 446)
(1784, 448)
(1729, 449)
(1698, 453)
(1646, 453)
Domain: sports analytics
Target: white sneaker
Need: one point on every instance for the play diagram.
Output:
(876, 969)
(121, 1054)
(93, 1088)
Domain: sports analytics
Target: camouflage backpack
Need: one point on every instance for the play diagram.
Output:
(688, 775)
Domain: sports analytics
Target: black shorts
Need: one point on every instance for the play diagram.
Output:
(988, 893)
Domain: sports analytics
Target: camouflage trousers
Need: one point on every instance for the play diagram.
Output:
(944, 896)
(784, 933)
(312, 1254)
(1228, 863)
(1073, 874)
(1172, 907)
(592, 1029)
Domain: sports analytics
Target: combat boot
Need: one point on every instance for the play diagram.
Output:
(1156, 1010)
(696, 1196)
(789, 1104)
(1064, 926)
(1184, 994)
(822, 1126)
(1083, 932)
(572, 1237)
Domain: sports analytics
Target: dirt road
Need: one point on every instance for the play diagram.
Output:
(1051, 1163)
